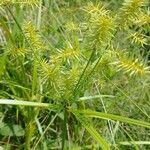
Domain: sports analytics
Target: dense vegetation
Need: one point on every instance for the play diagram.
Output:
(74, 74)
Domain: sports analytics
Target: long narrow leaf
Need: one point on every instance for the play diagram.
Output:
(94, 97)
(135, 142)
(23, 103)
(106, 116)
(104, 145)
(85, 122)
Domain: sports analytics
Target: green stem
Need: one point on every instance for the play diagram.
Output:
(77, 85)
(29, 132)
(64, 130)
(31, 126)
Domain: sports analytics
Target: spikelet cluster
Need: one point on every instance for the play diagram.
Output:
(131, 66)
(143, 19)
(131, 10)
(101, 25)
(16, 52)
(138, 38)
(66, 55)
(95, 10)
(33, 37)
(49, 72)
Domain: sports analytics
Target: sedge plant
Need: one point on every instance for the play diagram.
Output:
(74, 75)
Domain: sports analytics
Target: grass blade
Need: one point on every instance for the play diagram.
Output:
(23, 103)
(106, 116)
(95, 97)
(87, 125)
(104, 145)
(135, 142)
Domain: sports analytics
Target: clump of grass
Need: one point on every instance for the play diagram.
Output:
(60, 73)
